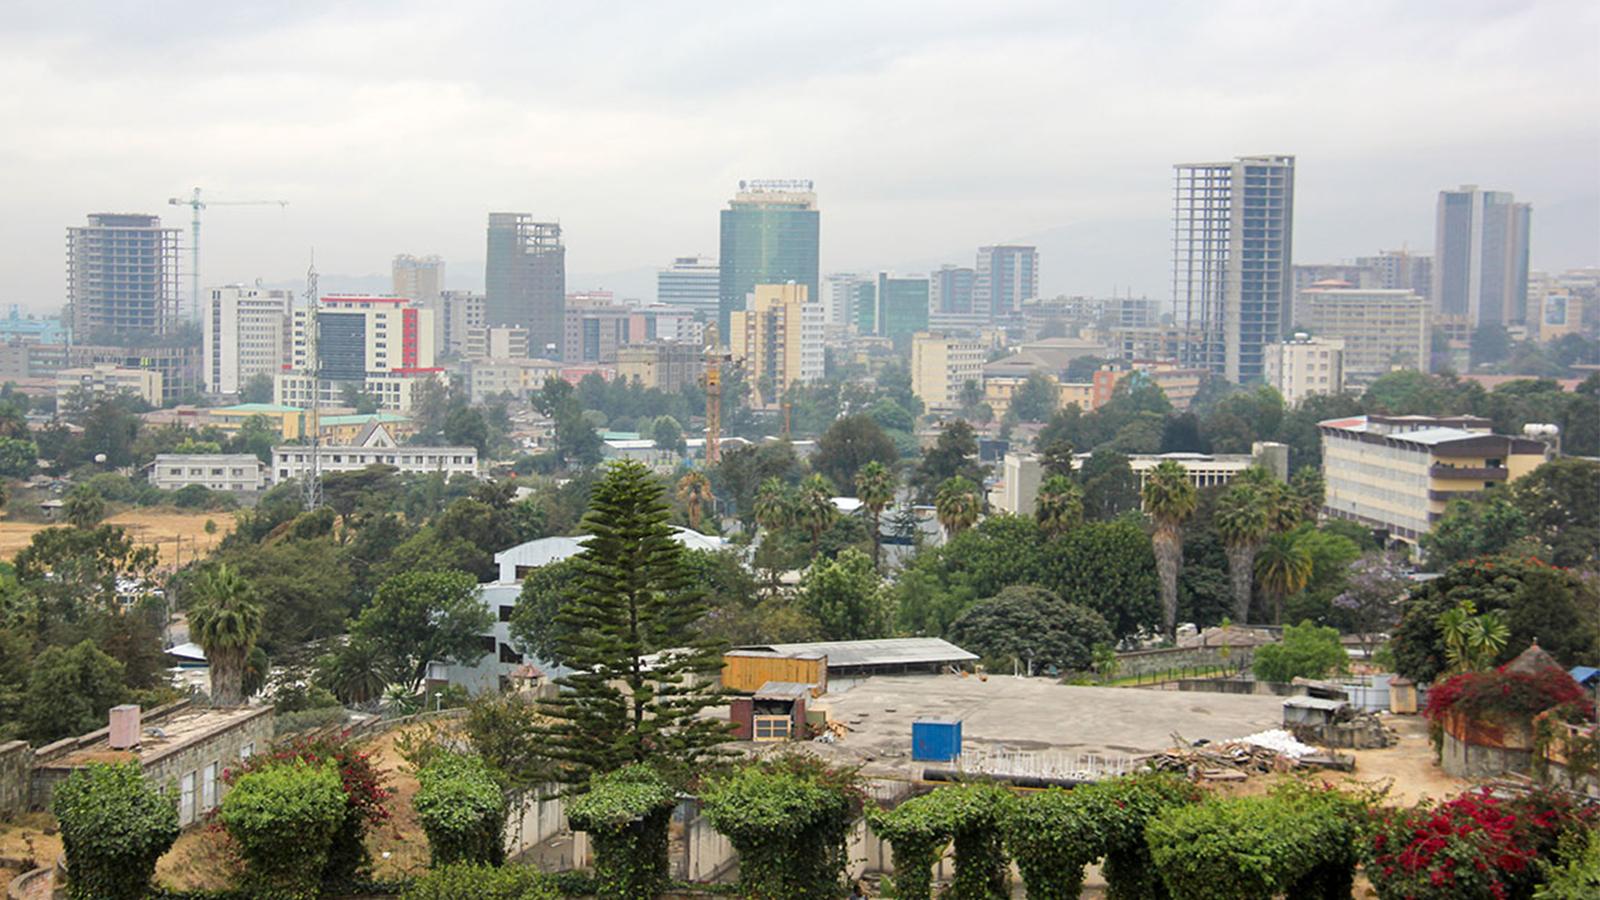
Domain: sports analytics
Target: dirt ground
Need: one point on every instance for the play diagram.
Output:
(178, 536)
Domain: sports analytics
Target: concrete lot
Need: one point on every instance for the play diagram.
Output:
(1037, 714)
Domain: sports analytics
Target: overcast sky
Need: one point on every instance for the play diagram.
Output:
(929, 128)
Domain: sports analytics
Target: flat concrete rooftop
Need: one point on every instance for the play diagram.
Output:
(1036, 714)
(160, 737)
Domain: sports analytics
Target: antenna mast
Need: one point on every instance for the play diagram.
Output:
(311, 476)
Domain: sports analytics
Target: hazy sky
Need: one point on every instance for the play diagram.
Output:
(929, 128)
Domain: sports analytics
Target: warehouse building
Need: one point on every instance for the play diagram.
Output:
(835, 665)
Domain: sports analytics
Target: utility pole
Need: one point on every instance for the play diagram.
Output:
(311, 475)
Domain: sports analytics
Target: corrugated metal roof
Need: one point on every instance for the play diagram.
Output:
(884, 652)
(544, 551)
(783, 690)
(1314, 703)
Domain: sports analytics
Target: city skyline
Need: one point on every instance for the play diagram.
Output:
(1476, 93)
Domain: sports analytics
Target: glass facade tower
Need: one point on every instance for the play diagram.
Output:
(525, 280)
(770, 234)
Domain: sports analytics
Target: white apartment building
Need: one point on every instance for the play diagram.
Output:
(244, 333)
(380, 345)
(497, 342)
(1382, 330)
(105, 378)
(941, 366)
(374, 446)
(394, 392)
(236, 472)
(519, 377)
(462, 312)
(1023, 473)
(1304, 365)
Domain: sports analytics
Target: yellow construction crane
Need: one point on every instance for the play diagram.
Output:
(194, 202)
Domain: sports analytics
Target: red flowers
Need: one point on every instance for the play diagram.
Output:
(1503, 695)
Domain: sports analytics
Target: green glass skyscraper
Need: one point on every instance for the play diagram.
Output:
(770, 232)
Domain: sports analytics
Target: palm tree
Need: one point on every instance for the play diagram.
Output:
(357, 673)
(1059, 508)
(957, 504)
(84, 507)
(875, 486)
(1284, 567)
(1471, 641)
(1242, 522)
(1309, 492)
(1283, 505)
(694, 491)
(1169, 499)
(225, 620)
(775, 506)
(814, 507)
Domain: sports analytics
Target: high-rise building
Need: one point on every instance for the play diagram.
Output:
(842, 297)
(421, 280)
(941, 367)
(244, 333)
(1007, 274)
(497, 342)
(1381, 330)
(902, 307)
(462, 312)
(122, 278)
(950, 298)
(1401, 270)
(663, 365)
(779, 339)
(1480, 255)
(525, 279)
(1232, 248)
(378, 345)
(692, 283)
(770, 234)
(1305, 365)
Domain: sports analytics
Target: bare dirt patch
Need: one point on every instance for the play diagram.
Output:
(179, 537)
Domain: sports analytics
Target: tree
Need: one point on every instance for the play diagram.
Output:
(1306, 651)
(1109, 567)
(847, 597)
(18, 457)
(957, 505)
(1472, 641)
(1241, 520)
(1557, 502)
(634, 601)
(1059, 508)
(776, 507)
(422, 617)
(955, 453)
(1283, 567)
(668, 434)
(70, 691)
(1056, 458)
(694, 492)
(1034, 399)
(849, 444)
(875, 488)
(225, 620)
(1170, 499)
(256, 389)
(115, 825)
(84, 507)
(357, 672)
(1557, 607)
(1308, 491)
(1370, 602)
(1031, 627)
(1470, 528)
(465, 427)
(1110, 488)
(814, 507)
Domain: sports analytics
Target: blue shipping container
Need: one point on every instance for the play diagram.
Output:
(935, 740)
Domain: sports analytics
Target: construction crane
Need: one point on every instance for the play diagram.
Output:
(196, 204)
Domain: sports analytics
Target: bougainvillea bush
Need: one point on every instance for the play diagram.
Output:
(366, 799)
(1474, 846)
(1498, 695)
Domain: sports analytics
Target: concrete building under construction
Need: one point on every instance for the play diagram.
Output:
(122, 277)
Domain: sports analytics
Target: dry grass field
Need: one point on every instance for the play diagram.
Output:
(179, 536)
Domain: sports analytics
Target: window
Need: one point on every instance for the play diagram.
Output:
(772, 728)
(186, 799)
(505, 612)
(487, 643)
(508, 655)
(248, 750)
(208, 787)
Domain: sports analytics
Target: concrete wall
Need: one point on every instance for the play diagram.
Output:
(1150, 662)
(16, 764)
(1241, 686)
(1464, 760)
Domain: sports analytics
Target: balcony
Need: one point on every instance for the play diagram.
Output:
(1476, 473)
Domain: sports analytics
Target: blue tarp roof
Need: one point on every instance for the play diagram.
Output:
(1584, 674)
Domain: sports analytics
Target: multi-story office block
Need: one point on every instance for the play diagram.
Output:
(104, 378)
(420, 279)
(244, 333)
(594, 331)
(779, 339)
(497, 342)
(770, 234)
(902, 307)
(525, 279)
(1397, 473)
(941, 367)
(1381, 330)
(1232, 243)
(1400, 270)
(463, 311)
(178, 364)
(1481, 257)
(664, 365)
(845, 295)
(1305, 365)
(1007, 274)
(122, 278)
(951, 302)
(379, 345)
(693, 283)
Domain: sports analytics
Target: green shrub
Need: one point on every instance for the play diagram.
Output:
(1053, 834)
(626, 814)
(462, 809)
(969, 815)
(1578, 878)
(283, 819)
(114, 826)
(790, 819)
(1306, 651)
(308, 720)
(1121, 807)
(1299, 842)
(464, 881)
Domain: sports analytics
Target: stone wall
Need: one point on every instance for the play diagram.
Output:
(1467, 760)
(1154, 662)
(224, 747)
(1241, 686)
(16, 762)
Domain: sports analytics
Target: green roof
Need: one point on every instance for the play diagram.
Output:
(251, 408)
(362, 419)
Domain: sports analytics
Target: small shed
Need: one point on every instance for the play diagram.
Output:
(775, 712)
(1314, 711)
